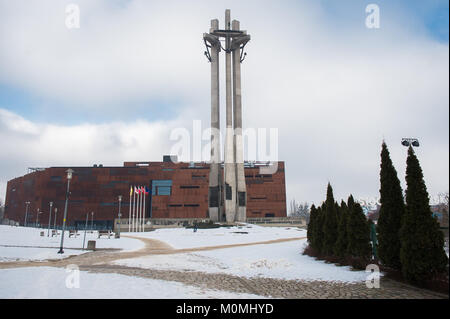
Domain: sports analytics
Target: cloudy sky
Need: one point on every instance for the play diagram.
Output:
(114, 89)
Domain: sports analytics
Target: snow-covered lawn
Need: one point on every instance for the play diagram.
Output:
(283, 260)
(50, 283)
(16, 243)
(280, 260)
(187, 238)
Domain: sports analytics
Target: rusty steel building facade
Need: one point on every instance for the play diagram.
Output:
(177, 190)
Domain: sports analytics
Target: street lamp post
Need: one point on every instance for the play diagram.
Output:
(54, 224)
(69, 177)
(37, 217)
(92, 221)
(26, 214)
(118, 227)
(85, 229)
(49, 219)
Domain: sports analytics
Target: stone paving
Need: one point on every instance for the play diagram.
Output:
(276, 288)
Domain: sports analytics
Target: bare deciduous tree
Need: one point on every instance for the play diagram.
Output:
(299, 210)
(2, 210)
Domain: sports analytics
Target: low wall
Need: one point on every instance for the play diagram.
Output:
(155, 223)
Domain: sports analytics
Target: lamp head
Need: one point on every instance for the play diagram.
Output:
(69, 173)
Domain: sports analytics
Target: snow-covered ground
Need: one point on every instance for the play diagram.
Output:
(283, 260)
(25, 243)
(280, 260)
(59, 283)
(187, 238)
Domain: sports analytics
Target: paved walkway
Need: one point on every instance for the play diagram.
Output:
(152, 247)
(99, 262)
(275, 288)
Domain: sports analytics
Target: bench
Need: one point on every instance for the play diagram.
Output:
(73, 233)
(104, 233)
(54, 232)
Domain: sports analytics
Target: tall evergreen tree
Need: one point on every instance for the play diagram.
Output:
(422, 244)
(310, 230)
(391, 212)
(340, 248)
(318, 230)
(329, 223)
(358, 232)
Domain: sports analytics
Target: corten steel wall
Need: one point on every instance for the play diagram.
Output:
(266, 194)
(96, 189)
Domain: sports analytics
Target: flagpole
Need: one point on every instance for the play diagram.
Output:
(138, 208)
(129, 214)
(134, 208)
(143, 212)
(142, 209)
(140, 212)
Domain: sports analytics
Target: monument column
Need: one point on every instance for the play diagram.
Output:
(241, 196)
(215, 180)
(229, 165)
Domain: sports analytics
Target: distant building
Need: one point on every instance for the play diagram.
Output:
(176, 191)
(440, 212)
(374, 214)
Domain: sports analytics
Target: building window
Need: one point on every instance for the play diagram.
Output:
(189, 186)
(191, 205)
(258, 197)
(163, 190)
(162, 187)
(108, 204)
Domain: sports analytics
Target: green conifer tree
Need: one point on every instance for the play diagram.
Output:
(391, 212)
(340, 249)
(318, 230)
(310, 230)
(422, 252)
(358, 232)
(329, 223)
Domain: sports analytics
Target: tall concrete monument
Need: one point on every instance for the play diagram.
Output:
(227, 195)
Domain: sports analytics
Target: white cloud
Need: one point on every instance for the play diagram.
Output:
(78, 145)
